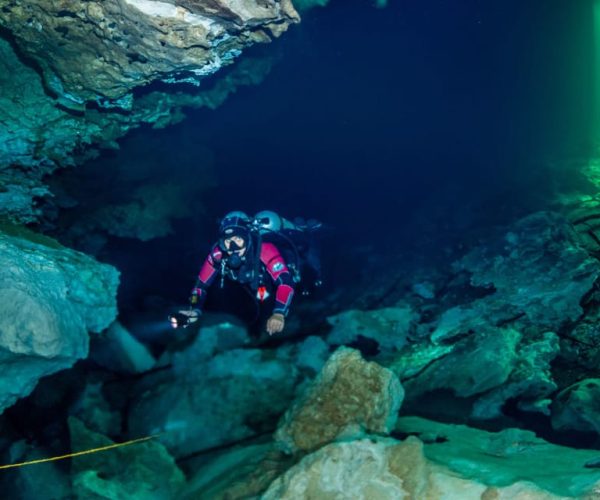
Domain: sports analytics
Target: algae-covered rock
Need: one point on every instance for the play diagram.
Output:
(50, 298)
(492, 365)
(476, 364)
(500, 459)
(138, 471)
(530, 381)
(578, 407)
(348, 396)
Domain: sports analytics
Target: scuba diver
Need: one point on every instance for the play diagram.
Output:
(262, 253)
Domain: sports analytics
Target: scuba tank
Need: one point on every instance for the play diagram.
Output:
(273, 228)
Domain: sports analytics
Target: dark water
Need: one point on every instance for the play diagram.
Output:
(376, 121)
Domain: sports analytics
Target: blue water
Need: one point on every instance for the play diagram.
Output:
(366, 120)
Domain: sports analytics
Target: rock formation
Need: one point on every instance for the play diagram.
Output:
(101, 51)
(143, 470)
(386, 469)
(348, 397)
(69, 71)
(50, 298)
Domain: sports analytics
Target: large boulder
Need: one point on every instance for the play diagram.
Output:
(50, 298)
(475, 365)
(140, 470)
(499, 459)
(209, 397)
(490, 366)
(118, 350)
(384, 468)
(349, 396)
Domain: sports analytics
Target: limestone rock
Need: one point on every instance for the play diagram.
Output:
(493, 365)
(100, 51)
(215, 336)
(118, 350)
(385, 469)
(93, 410)
(475, 365)
(538, 269)
(50, 297)
(141, 470)
(578, 407)
(388, 327)
(37, 135)
(531, 381)
(43, 480)
(310, 355)
(581, 347)
(499, 459)
(206, 402)
(241, 472)
(348, 396)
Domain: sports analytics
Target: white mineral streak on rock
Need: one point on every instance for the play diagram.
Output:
(170, 11)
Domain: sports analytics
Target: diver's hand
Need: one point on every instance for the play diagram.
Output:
(184, 317)
(275, 323)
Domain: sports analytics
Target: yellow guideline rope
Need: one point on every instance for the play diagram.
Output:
(79, 453)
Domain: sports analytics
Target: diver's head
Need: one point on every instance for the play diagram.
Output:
(235, 233)
(235, 244)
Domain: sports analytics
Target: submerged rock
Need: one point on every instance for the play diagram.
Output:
(100, 51)
(117, 350)
(94, 411)
(578, 407)
(242, 472)
(384, 468)
(349, 396)
(37, 135)
(42, 480)
(475, 365)
(505, 458)
(491, 366)
(205, 400)
(50, 298)
(538, 270)
(530, 381)
(140, 470)
(388, 327)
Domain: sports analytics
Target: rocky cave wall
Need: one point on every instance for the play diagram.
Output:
(71, 70)
(511, 321)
